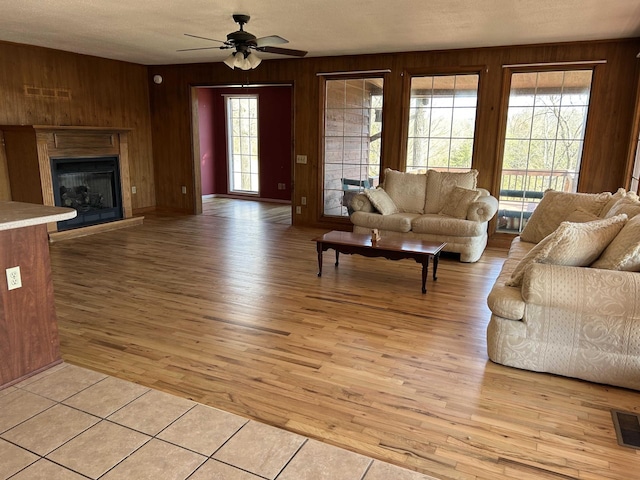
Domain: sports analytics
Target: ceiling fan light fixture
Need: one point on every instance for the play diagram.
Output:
(242, 60)
(254, 60)
(230, 61)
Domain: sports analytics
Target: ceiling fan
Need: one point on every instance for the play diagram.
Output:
(244, 43)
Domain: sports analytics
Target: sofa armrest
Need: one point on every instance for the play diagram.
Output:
(361, 203)
(483, 209)
(591, 291)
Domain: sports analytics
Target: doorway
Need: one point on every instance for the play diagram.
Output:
(273, 165)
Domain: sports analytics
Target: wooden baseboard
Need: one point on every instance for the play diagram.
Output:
(245, 197)
(31, 374)
(143, 210)
(103, 227)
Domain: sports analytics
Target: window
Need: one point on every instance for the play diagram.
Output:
(351, 140)
(442, 118)
(242, 143)
(635, 174)
(544, 136)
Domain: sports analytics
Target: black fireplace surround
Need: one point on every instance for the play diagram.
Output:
(89, 185)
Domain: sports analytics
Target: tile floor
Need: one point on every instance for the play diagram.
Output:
(69, 423)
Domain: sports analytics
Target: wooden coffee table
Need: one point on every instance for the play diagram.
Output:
(392, 248)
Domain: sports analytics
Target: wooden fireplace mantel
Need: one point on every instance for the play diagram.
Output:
(30, 148)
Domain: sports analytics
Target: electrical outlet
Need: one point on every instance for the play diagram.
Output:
(298, 210)
(301, 159)
(134, 189)
(14, 279)
(303, 200)
(184, 189)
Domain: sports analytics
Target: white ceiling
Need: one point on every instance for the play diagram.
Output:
(150, 31)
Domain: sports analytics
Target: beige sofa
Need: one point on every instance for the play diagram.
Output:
(434, 206)
(567, 300)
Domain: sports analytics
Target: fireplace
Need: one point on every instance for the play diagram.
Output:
(89, 185)
(91, 163)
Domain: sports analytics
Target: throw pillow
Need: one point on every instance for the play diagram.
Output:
(626, 205)
(621, 193)
(406, 190)
(539, 251)
(441, 184)
(581, 216)
(623, 253)
(381, 201)
(555, 207)
(458, 202)
(571, 244)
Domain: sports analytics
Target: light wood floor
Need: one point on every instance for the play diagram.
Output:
(230, 313)
(247, 210)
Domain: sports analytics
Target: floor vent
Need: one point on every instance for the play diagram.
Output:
(627, 427)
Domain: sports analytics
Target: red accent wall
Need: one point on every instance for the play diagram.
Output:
(205, 115)
(275, 138)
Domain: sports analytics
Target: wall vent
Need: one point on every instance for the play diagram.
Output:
(59, 93)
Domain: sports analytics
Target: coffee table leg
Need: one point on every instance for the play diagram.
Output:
(425, 270)
(337, 256)
(319, 247)
(436, 257)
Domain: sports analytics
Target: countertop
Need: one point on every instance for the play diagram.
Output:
(19, 214)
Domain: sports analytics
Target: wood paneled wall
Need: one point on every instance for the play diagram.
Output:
(40, 86)
(606, 152)
(48, 87)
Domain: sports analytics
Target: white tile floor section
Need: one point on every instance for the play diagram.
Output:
(69, 423)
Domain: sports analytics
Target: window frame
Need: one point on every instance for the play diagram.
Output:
(632, 177)
(408, 74)
(508, 71)
(633, 182)
(229, 131)
(354, 75)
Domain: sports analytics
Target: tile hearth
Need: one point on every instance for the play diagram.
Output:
(70, 423)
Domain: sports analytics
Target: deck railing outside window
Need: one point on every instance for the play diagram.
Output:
(521, 191)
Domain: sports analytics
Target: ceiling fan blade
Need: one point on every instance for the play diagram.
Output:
(270, 40)
(201, 48)
(205, 38)
(282, 51)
